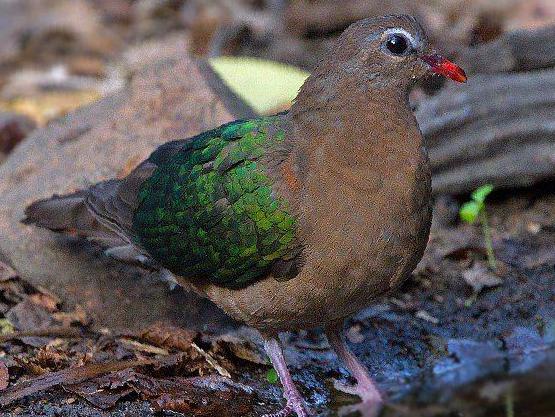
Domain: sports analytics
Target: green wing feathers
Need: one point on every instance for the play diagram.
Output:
(208, 210)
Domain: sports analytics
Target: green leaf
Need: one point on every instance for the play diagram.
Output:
(470, 211)
(272, 376)
(264, 85)
(479, 194)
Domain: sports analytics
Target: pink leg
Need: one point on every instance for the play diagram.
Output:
(365, 387)
(295, 402)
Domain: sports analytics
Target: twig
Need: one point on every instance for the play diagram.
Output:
(211, 361)
(143, 347)
(66, 376)
(488, 239)
(55, 331)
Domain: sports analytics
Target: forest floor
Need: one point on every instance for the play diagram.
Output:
(456, 340)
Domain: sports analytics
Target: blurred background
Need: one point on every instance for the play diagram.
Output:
(77, 46)
(89, 88)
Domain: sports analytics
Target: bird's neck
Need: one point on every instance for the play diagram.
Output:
(351, 123)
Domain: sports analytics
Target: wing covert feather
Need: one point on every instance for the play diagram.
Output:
(209, 210)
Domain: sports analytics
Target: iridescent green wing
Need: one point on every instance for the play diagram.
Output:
(209, 211)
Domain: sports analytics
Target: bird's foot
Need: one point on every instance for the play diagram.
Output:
(366, 391)
(365, 388)
(372, 400)
(295, 404)
(363, 409)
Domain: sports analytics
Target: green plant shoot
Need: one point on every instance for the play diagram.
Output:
(475, 210)
(272, 376)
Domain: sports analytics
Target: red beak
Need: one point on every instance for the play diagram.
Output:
(443, 66)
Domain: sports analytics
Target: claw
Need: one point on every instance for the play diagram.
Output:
(289, 409)
(346, 388)
(295, 404)
(365, 387)
(369, 407)
(364, 409)
(367, 393)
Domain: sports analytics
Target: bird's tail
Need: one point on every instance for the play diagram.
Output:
(102, 214)
(70, 215)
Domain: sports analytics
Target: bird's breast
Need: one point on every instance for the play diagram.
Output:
(368, 230)
(357, 246)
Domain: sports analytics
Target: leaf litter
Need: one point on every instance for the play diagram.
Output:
(172, 368)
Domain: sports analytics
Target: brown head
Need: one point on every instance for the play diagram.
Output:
(390, 52)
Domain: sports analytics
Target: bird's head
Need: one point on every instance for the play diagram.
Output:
(391, 51)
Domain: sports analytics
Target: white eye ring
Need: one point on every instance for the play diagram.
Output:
(403, 32)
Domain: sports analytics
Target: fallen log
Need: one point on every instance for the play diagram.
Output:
(500, 127)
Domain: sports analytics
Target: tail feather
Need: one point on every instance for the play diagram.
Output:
(102, 214)
(69, 214)
(103, 211)
(114, 202)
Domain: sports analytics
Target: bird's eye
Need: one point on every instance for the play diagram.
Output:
(397, 44)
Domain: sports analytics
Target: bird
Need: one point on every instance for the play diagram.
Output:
(292, 221)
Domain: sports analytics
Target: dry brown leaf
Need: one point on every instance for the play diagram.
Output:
(66, 376)
(204, 396)
(143, 347)
(77, 316)
(211, 361)
(28, 316)
(55, 331)
(240, 348)
(50, 303)
(480, 277)
(105, 391)
(168, 336)
(31, 368)
(51, 358)
(4, 376)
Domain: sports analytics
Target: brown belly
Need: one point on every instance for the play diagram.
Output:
(339, 278)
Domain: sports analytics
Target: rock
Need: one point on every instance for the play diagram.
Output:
(167, 98)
